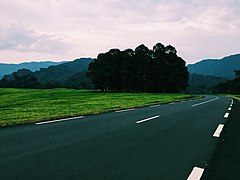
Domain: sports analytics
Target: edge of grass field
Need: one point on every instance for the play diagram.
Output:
(237, 97)
(35, 120)
(114, 109)
(32, 121)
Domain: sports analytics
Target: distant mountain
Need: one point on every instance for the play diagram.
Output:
(71, 74)
(60, 73)
(32, 66)
(224, 67)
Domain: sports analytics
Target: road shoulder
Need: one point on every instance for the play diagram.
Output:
(225, 163)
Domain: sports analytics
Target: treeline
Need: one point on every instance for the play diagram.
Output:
(140, 70)
(22, 81)
(230, 86)
(24, 78)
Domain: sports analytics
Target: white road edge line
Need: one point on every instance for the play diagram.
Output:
(157, 105)
(58, 120)
(196, 174)
(231, 104)
(148, 119)
(218, 131)
(172, 103)
(124, 110)
(226, 115)
(205, 102)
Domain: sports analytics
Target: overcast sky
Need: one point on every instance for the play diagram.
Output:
(36, 30)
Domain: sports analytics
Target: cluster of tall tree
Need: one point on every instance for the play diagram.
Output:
(140, 70)
(230, 86)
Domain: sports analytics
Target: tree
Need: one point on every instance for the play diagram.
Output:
(142, 58)
(98, 72)
(170, 49)
(127, 69)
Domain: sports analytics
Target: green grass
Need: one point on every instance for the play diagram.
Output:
(234, 96)
(21, 106)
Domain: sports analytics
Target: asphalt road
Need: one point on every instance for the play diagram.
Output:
(160, 142)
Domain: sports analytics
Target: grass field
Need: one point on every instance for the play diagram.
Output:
(21, 106)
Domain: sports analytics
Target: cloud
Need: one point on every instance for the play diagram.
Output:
(19, 38)
(90, 27)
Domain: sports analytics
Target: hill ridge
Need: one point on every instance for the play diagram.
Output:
(217, 67)
(8, 68)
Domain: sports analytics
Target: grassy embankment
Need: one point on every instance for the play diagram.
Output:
(234, 96)
(21, 106)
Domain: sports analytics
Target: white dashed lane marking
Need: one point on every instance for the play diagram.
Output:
(205, 102)
(226, 115)
(196, 174)
(148, 119)
(125, 110)
(218, 130)
(58, 120)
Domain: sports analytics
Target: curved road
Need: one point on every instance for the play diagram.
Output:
(156, 142)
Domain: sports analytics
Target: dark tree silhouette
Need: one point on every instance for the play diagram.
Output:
(140, 70)
(23, 78)
(24, 81)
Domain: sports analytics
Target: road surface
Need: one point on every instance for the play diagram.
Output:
(167, 141)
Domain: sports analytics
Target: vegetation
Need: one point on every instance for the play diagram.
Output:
(61, 75)
(20, 106)
(233, 96)
(23, 78)
(66, 75)
(140, 70)
(229, 87)
(203, 84)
